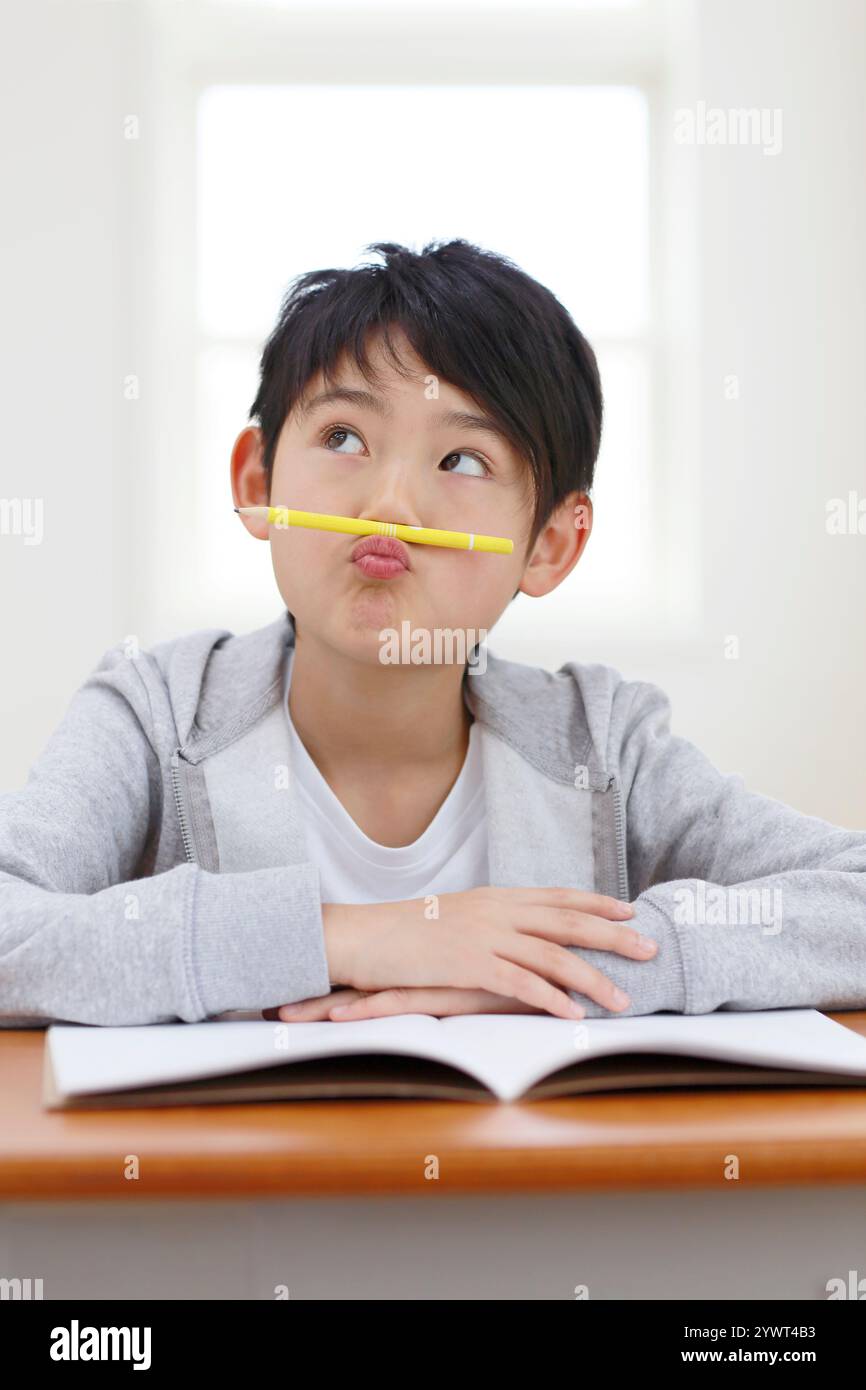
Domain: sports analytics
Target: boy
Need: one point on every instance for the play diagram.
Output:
(283, 817)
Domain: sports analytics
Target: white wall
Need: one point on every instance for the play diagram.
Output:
(782, 286)
(783, 290)
(66, 236)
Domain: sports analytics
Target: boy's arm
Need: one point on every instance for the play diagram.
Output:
(778, 898)
(84, 941)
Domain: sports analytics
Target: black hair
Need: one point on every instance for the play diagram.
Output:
(478, 322)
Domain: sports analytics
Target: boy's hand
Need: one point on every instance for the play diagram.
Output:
(357, 1004)
(498, 943)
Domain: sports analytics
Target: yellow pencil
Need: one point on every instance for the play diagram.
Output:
(353, 526)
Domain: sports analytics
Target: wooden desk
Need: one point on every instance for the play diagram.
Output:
(656, 1140)
(605, 1152)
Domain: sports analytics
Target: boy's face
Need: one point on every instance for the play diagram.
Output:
(404, 462)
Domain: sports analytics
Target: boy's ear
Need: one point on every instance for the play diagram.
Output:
(248, 479)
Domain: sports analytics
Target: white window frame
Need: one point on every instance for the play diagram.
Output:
(187, 47)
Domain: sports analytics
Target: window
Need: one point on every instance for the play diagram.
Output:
(293, 174)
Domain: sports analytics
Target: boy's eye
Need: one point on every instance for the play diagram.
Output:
(340, 433)
(481, 469)
(338, 439)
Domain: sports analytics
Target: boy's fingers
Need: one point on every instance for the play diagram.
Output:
(573, 899)
(378, 1004)
(585, 929)
(604, 906)
(412, 1000)
(312, 1010)
(440, 1001)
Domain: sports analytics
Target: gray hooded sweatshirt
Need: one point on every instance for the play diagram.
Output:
(154, 866)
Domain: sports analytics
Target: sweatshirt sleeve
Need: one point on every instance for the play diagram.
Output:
(754, 904)
(87, 935)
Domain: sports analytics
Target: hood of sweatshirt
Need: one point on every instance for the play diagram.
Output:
(554, 811)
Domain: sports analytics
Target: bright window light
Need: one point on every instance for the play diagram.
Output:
(295, 178)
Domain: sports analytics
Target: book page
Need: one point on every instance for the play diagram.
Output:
(508, 1053)
(511, 1052)
(90, 1059)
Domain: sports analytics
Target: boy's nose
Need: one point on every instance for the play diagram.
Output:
(390, 504)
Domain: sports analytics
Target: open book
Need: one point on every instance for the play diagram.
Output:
(466, 1057)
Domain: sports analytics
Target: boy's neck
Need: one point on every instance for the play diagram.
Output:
(353, 714)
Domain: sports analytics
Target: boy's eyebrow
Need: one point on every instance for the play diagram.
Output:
(365, 400)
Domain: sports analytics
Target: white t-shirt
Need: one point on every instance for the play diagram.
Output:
(449, 857)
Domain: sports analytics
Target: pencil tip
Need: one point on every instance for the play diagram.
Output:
(237, 509)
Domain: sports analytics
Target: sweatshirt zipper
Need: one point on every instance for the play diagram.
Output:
(181, 815)
(619, 823)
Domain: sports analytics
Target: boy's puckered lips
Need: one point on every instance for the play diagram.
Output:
(386, 553)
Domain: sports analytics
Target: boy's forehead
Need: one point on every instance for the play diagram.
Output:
(347, 382)
(384, 375)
